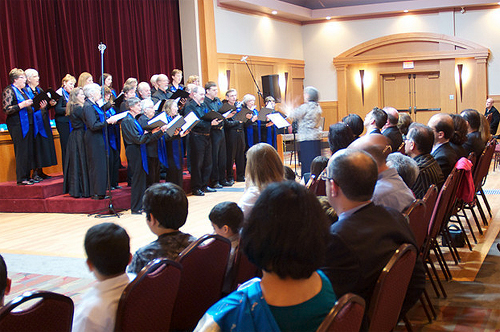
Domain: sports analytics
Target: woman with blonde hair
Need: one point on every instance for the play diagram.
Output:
(62, 121)
(76, 178)
(264, 166)
(84, 79)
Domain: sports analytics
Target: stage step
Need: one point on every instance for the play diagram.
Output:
(46, 188)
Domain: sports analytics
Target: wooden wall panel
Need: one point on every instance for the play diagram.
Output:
(330, 113)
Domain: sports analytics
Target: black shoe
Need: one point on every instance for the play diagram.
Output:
(198, 192)
(44, 176)
(98, 197)
(25, 183)
(216, 185)
(226, 183)
(118, 187)
(136, 212)
(240, 179)
(209, 190)
(36, 179)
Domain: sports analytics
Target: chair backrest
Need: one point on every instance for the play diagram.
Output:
(243, 270)
(483, 164)
(147, 302)
(345, 316)
(416, 220)
(50, 312)
(204, 265)
(390, 290)
(401, 148)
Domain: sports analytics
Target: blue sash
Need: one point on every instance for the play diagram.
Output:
(102, 118)
(38, 126)
(175, 147)
(111, 130)
(66, 97)
(113, 92)
(23, 113)
(162, 151)
(250, 131)
(144, 152)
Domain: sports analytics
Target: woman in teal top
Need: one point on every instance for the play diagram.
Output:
(285, 235)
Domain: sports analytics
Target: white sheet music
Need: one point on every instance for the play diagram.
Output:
(278, 120)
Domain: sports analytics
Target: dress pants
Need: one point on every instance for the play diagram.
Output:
(201, 159)
(218, 155)
(23, 150)
(235, 153)
(138, 181)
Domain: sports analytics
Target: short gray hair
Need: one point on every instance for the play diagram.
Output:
(247, 98)
(30, 72)
(90, 89)
(312, 92)
(132, 101)
(406, 167)
(146, 103)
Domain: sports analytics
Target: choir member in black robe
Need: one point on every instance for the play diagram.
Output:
(76, 178)
(94, 138)
(45, 151)
(62, 121)
(136, 151)
(19, 121)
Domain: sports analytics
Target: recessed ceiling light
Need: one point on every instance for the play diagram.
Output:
(274, 12)
(406, 10)
(328, 18)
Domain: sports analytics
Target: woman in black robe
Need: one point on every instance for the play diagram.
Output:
(94, 138)
(76, 178)
(62, 121)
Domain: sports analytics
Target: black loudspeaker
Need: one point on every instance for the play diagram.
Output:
(271, 87)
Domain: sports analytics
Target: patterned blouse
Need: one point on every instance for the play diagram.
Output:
(308, 116)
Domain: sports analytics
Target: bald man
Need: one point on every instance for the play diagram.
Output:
(391, 130)
(492, 115)
(442, 126)
(390, 190)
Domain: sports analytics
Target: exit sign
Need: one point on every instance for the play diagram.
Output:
(408, 65)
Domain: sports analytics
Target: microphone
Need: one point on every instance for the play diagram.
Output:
(101, 47)
(244, 58)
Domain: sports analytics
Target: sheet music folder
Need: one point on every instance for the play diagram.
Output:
(241, 115)
(263, 114)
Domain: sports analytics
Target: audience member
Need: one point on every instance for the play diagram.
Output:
(4, 281)
(459, 136)
(406, 167)
(404, 123)
(289, 173)
(366, 235)
(484, 129)
(293, 295)
(446, 157)
(474, 141)
(166, 208)
(419, 142)
(492, 115)
(390, 190)
(108, 253)
(314, 181)
(264, 166)
(391, 129)
(375, 120)
(339, 136)
(354, 122)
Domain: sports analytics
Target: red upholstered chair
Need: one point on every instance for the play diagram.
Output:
(49, 312)
(390, 290)
(345, 316)
(243, 270)
(204, 265)
(147, 302)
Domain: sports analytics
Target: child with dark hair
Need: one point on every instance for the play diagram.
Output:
(4, 281)
(166, 208)
(108, 253)
(289, 173)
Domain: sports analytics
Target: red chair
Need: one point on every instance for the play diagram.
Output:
(147, 302)
(50, 312)
(204, 265)
(243, 270)
(390, 290)
(345, 316)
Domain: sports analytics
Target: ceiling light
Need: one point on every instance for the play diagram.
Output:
(406, 10)
(274, 12)
(328, 18)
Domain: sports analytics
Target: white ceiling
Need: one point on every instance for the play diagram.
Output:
(314, 10)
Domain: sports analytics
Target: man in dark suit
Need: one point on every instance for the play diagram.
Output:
(492, 115)
(391, 130)
(474, 141)
(366, 235)
(446, 157)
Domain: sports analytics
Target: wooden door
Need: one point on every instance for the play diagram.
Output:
(415, 93)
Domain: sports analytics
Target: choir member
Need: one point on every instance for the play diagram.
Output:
(129, 92)
(108, 82)
(19, 121)
(76, 178)
(252, 126)
(136, 151)
(176, 81)
(94, 138)
(235, 141)
(268, 130)
(84, 79)
(148, 112)
(62, 121)
(144, 90)
(162, 91)
(154, 85)
(44, 151)
(114, 139)
(193, 79)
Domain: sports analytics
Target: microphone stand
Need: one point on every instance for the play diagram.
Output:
(254, 81)
(110, 210)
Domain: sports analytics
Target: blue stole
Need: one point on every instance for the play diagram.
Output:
(250, 129)
(144, 152)
(23, 113)
(66, 97)
(173, 88)
(102, 118)
(162, 150)
(111, 129)
(37, 115)
(113, 92)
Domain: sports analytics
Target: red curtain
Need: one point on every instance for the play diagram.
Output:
(57, 37)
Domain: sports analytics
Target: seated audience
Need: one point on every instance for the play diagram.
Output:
(366, 235)
(406, 167)
(391, 130)
(354, 122)
(459, 136)
(264, 166)
(313, 181)
(289, 173)
(108, 253)
(4, 281)
(446, 157)
(404, 123)
(418, 145)
(390, 190)
(375, 120)
(166, 208)
(293, 295)
(474, 141)
(339, 136)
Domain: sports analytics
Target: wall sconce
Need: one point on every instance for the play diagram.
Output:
(224, 81)
(362, 76)
(460, 67)
(228, 75)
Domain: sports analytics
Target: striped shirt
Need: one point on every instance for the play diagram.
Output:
(430, 173)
